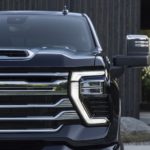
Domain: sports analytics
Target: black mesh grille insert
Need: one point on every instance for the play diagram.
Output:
(98, 106)
(31, 99)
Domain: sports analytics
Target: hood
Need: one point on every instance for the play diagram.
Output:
(46, 58)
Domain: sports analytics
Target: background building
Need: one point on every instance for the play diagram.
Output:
(113, 19)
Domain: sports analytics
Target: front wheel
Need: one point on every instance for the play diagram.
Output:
(121, 146)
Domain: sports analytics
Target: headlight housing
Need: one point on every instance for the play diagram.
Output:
(88, 86)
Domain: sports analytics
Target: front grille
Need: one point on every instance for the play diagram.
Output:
(35, 102)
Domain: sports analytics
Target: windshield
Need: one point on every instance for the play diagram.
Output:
(49, 31)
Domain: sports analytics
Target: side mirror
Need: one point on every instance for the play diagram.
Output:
(138, 52)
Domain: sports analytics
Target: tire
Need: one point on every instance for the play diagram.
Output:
(121, 146)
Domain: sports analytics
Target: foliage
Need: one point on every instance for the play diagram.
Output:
(135, 137)
(145, 32)
(146, 84)
(146, 77)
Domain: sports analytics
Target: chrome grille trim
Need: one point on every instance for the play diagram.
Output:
(32, 130)
(35, 85)
(56, 74)
(30, 92)
(65, 102)
(64, 115)
(24, 87)
(33, 88)
(49, 115)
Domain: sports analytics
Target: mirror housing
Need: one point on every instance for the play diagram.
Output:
(138, 53)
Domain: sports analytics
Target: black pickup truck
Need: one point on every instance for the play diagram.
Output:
(57, 88)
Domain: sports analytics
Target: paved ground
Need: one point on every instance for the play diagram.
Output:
(137, 147)
(145, 117)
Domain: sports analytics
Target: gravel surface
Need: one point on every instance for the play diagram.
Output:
(137, 147)
(132, 125)
(134, 131)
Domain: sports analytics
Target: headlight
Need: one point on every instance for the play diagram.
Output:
(91, 87)
(87, 87)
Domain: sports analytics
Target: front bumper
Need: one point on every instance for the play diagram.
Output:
(74, 136)
(41, 146)
(113, 147)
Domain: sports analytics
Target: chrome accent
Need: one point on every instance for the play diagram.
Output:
(76, 76)
(60, 104)
(31, 130)
(56, 74)
(29, 52)
(35, 85)
(53, 84)
(141, 42)
(33, 88)
(141, 45)
(30, 92)
(64, 115)
(106, 73)
(137, 37)
(75, 89)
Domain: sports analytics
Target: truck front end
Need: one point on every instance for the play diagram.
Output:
(55, 87)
